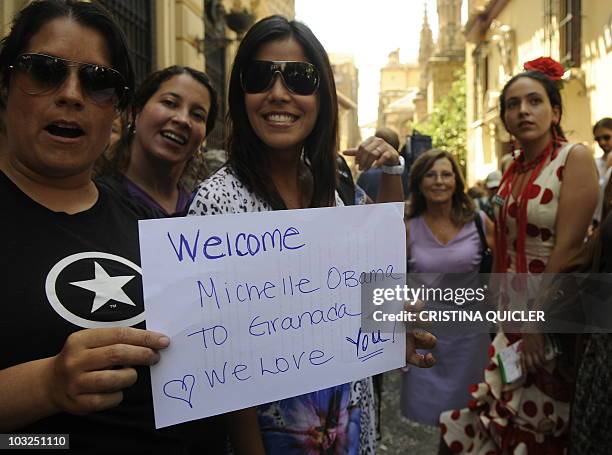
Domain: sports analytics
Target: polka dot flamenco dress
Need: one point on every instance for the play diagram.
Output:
(530, 416)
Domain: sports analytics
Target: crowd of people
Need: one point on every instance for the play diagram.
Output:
(86, 154)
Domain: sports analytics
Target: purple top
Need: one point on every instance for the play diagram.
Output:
(136, 192)
(426, 393)
(428, 255)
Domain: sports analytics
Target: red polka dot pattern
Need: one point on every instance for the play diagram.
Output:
(534, 191)
(473, 388)
(530, 408)
(547, 196)
(455, 414)
(548, 408)
(560, 173)
(501, 411)
(491, 351)
(533, 230)
(536, 266)
(469, 430)
(546, 234)
(443, 429)
(456, 447)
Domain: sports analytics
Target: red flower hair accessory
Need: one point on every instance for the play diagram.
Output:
(546, 65)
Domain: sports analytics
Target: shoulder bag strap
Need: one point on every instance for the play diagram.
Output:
(480, 229)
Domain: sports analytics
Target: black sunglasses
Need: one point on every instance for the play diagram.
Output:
(301, 78)
(603, 137)
(46, 73)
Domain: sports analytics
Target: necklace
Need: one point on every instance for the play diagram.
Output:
(519, 205)
(524, 166)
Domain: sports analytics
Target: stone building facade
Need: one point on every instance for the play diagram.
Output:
(503, 34)
(399, 84)
(409, 92)
(346, 77)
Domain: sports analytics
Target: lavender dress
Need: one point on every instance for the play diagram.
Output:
(461, 360)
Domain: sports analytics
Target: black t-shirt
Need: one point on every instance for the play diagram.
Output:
(54, 274)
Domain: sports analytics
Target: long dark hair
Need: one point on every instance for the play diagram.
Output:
(462, 206)
(120, 151)
(605, 122)
(33, 17)
(552, 91)
(246, 152)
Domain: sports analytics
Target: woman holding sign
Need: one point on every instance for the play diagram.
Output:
(282, 148)
(74, 355)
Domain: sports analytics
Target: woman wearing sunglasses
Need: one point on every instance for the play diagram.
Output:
(174, 110)
(282, 147)
(75, 355)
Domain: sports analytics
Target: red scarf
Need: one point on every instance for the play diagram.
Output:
(505, 192)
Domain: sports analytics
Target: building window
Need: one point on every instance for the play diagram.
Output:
(135, 17)
(215, 43)
(569, 32)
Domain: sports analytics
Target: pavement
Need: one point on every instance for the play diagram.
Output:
(400, 435)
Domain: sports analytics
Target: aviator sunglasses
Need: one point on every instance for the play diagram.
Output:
(301, 78)
(46, 73)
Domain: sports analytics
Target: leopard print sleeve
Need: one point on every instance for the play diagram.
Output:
(224, 193)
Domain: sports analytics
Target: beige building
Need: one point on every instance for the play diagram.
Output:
(197, 33)
(346, 77)
(449, 53)
(503, 34)
(399, 84)
(409, 92)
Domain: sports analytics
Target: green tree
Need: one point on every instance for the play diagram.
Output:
(447, 123)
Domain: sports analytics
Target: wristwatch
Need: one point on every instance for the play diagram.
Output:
(398, 169)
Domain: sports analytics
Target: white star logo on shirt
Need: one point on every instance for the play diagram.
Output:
(106, 288)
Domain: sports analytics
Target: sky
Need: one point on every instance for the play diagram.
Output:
(369, 30)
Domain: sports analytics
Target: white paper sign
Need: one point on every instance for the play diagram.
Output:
(266, 306)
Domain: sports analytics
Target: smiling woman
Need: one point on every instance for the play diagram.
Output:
(174, 110)
(283, 117)
(443, 238)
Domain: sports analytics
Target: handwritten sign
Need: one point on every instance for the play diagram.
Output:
(266, 306)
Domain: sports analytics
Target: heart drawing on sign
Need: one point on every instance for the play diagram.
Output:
(180, 389)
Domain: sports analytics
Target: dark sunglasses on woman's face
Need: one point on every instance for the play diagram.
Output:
(603, 137)
(301, 78)
(44, 74)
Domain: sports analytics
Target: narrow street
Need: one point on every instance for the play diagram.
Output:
(400, 435)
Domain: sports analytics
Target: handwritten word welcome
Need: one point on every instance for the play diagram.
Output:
(241, 244)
